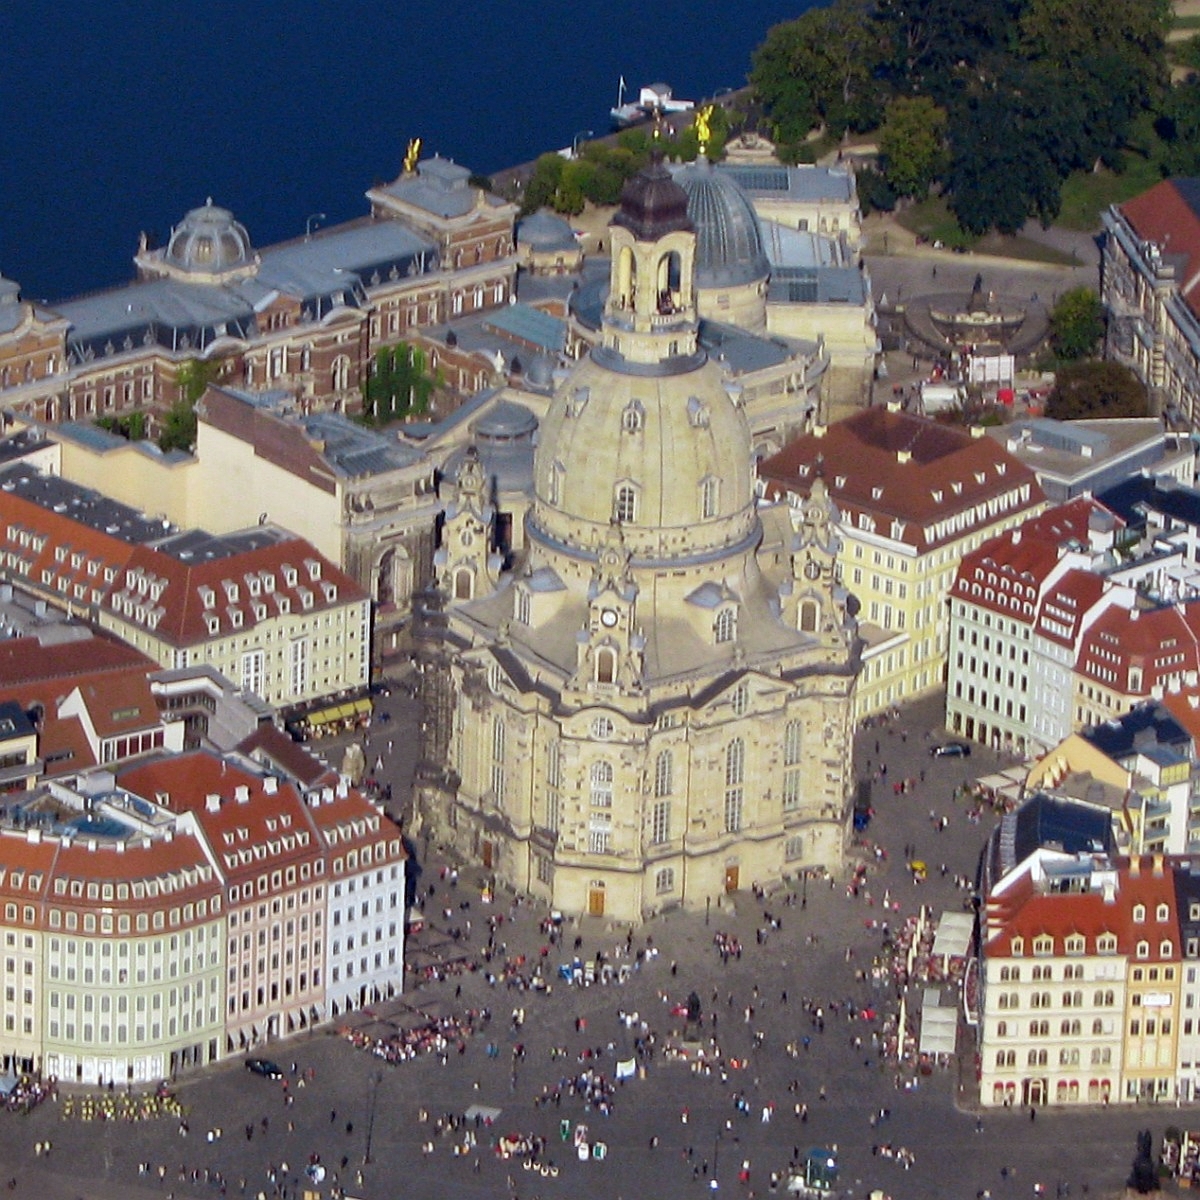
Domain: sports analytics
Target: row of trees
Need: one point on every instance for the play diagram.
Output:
(599, 170)
(996, 100)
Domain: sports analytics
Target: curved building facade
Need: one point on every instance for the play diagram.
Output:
(651, 707)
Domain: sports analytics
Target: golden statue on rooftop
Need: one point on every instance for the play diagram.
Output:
(411, 155)
(704, 127)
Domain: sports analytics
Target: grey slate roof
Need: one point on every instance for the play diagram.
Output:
(811, 184)
(333, 267)
(546, 231)
(1134, 498)
(1138, 730)
(440, 187)
(354, 452)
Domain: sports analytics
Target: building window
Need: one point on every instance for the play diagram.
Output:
(339, 374)
(299, 666)
(735, 769)
(660, 827)
(664, 773)
(664, 881)
(725, 627)
(709, 498)
(252, 671)
(602, 784)
(625, 504)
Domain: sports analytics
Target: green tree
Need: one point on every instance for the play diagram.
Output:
(1000, 175)
(912, 144)
(1179, 127)
(1187, 53)
(1096, 389)
(1109, 56)
(179, 424)
(543, 183)
(1077, 323)
(781, 81)
(932, 47)
(398, 386)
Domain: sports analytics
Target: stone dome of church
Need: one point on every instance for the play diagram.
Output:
(209, 241)
(666, 454)
(729, 248)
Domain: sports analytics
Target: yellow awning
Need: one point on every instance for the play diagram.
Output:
(322, 716)
(362, 705)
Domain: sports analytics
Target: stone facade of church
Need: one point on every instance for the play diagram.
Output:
(649, 704)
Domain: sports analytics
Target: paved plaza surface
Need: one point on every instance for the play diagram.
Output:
(357, 1102)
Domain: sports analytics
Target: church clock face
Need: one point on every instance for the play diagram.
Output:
(608, 618)
(812, 568)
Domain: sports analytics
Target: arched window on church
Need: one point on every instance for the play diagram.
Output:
(810, 613)
(710, 491)
(669, 281)
(625, 504)
(464, 583)
(664, 774)
(725, 626)
(735, 777)
(626, 278)
(606, 665)
(633, 417)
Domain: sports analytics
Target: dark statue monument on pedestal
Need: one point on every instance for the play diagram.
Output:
(1144, 1176)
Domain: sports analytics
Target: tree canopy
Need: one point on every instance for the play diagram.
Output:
(996, 100)
(1077, 323)
(1097, 389)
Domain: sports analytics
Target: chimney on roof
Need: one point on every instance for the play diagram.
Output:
(1134, 613)
(1158, 866)
(819, 431)
(1109, 891)
(977, 431)
(903, 456)
(241, 793)
(327, 795)
(212, 802)
(1135, 866)
(893, 405)
(343, 787)
(120, 847)
(270, 785)
(1016, 537)
(33, 836)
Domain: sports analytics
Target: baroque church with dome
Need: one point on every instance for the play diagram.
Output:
(645, 701)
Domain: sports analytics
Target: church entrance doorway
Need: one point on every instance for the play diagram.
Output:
(596, 900)
(487, 851)
(731, 878)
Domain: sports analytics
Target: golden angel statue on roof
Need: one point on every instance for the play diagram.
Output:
(411, 155)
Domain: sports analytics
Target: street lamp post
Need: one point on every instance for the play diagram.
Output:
(583, 133)
(713, 1184)
(376, 1080)
(310, 221)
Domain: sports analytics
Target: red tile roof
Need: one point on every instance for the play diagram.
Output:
(1014, 568)
(1163, 215)
(271, 747)
(158, 591)
(261, 829)
(896, 466)
(1161, 642)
